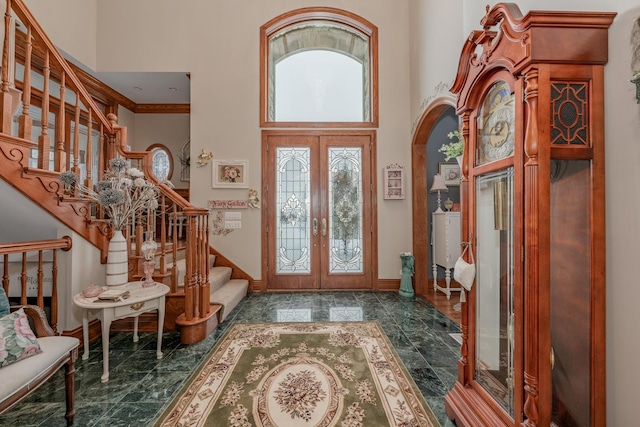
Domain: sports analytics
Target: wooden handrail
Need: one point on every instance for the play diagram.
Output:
(63, 243)
(39, 247)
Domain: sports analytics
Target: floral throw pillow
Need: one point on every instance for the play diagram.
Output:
(17, 340)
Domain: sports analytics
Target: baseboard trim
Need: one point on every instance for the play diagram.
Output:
(95, 330)
(255, 286)
(236, 272)
(388, 285)
(379, 285)
(148, 322)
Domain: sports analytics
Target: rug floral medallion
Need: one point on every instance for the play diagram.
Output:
(301, 374)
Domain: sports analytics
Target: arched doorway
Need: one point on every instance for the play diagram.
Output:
(420, 214)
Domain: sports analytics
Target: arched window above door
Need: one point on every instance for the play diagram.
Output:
(319, 68)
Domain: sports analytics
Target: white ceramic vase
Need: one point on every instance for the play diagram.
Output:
(459, 159)
(117, 261)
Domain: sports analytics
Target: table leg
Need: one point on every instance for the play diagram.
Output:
(435, 276)
(135, 329)
(85, 333)
(106, 325)
(160, 327)
(447, 279)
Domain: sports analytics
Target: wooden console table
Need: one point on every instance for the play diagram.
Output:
(141, 300)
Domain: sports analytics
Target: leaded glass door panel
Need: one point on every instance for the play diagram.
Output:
(318, 210)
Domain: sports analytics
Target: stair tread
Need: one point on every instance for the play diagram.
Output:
(229, 295)
(235, 282)
(218, 277)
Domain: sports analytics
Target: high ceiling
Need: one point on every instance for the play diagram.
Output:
(149, 88)
(143, 87)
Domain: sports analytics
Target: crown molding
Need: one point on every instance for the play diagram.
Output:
(162, 109)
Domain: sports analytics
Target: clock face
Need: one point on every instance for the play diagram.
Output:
(496, 124)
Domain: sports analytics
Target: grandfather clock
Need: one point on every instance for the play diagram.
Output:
(531, 97)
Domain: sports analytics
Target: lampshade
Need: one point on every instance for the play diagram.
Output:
(149, 248)
(438, 184)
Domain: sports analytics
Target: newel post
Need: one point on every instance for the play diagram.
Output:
(120, 133)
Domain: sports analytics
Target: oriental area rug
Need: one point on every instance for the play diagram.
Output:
(343, 374)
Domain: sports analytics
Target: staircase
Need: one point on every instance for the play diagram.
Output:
(224, 290)
(201, 292)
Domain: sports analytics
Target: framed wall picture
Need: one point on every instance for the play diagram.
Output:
(230, 174)
(450, 172)
(393, 182)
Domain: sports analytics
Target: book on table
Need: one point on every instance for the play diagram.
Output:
(114, 295)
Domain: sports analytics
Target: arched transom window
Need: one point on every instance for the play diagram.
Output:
(318, 67)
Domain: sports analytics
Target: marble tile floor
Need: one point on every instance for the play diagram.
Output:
(140, 386)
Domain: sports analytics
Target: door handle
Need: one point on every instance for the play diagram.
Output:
(315, 226)
(324, 227)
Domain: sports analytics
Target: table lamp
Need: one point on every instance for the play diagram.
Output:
(438, 186)
(148, 249)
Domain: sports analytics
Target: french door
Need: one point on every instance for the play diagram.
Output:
(317, 210)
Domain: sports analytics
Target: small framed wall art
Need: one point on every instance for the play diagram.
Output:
(393, 182)
(451, 173)
(230, 174)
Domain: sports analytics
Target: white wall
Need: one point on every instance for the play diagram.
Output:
(218, 43)
(78, 39)
(170, 130)
(77, 270)
(623, 228)
(435, 50)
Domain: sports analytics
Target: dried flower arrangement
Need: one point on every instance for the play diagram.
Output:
(123, 192)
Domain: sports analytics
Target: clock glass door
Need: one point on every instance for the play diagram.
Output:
(495, 320)
(571, 294)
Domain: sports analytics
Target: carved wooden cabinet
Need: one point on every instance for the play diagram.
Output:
(445, 247)
(531, 98)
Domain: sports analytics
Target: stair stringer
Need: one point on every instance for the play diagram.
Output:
(44, 189)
